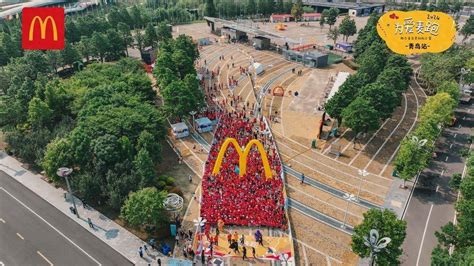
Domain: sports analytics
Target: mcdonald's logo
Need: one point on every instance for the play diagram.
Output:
(243, 156)
(42, 28)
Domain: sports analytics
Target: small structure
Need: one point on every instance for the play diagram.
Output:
(311, 59)
(234, 34)
(261, 43)
(258, 68)
(311, 16)
(278, 91)
(203, 124)
(345, 47)
(204, 41)
(278, 18)
(173, 203)
(340, 79)
(179, 130)
(148, 55)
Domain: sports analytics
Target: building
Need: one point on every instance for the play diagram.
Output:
(351, 8)
(279, 18)
(311, 16)
(261, 43)
(233, 34)
(345, 47)
(310, 59)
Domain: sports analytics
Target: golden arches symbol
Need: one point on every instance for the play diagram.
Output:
(43, 24)
(243, 156)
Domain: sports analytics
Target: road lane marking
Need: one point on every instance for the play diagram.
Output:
(46, 259)
(442, 173)
(1, 220)
(450, 146)
(55, 229)
(20, 236)
(446, 158)
(437, 188)
(423, 237)
(455, 135)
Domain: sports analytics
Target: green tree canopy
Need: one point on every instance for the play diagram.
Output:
(360, 116)
(347, 27)
(145, 207)
(388, 225)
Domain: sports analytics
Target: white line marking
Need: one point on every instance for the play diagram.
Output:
(391, 133)
(423, 237)
(411, 128)
(455, 135)
(316, 250)
(442, 173)
(54, 228)
(371, 138)
(450, 146)
(437, 188)
(459, 126)
(305, 256)
(20, 236)
(337, 139)
(446, 158)
(46, 259)
(1, 220)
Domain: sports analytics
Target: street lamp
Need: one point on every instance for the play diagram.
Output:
(463, 72)
(65, 172)
(193, 113)
(375, 244)
(349, 198)
(419, 142)
(362, 173)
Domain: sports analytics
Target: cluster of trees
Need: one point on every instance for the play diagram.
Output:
(437, 111)
(177, 77)
(347, 27)
(236, 8)
(459, 235)
(446, 6)
(388, 225)
(371, 94)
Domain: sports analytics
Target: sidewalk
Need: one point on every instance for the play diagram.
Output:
(107, 230)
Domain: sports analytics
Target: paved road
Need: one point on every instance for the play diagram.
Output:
(432, 203)
(32, 232)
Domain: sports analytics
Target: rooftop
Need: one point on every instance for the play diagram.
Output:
(345, 5)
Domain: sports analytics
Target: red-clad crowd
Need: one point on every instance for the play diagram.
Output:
(251, 200)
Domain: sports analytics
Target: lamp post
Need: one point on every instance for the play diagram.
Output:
(65, 172)
(463, 72)
(349, 198)
(193, 113)
(375, 244)
(362, 173)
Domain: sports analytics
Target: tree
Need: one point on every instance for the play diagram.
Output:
(279, 7)
(383, 99)
(150, 38)
(100, 45)
(438, 108)
(451, 88)
(297, 10)
(72, 33)
(39, 114)
(332, 16)
(373, 60)
(58, 154)
(388, 225)
(139, 40)
(117, 45)
(210, 8)
(145, 207)
(360, 116)
(333, 34)
(144, 168)
(367, 36)
(163, 32)
(148, 142)
(411, 159)
(468, 28)
(70, 54)
(85, 47)
(347, 27)
(54, 59)
(322, 19)
(127, 38)
(251, 7)
(136, 16)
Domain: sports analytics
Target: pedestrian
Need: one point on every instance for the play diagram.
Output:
(140, 252)
(242, 240)
(302, 178)
(190, 178)
(203, 258)
(229, 238)
(244, 253)
(253, 252)
(177, 239)
(159, 261)
(89, 221)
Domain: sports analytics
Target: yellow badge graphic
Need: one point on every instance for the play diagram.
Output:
(417, 32)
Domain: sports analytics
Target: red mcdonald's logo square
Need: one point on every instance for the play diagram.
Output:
(42, 28)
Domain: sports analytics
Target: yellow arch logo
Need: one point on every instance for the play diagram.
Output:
(43, 24)
(242, 156)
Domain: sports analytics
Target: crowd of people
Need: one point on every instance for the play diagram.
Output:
(251, 200)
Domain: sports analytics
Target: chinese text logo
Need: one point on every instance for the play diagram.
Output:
(417, 32)
(42, 28)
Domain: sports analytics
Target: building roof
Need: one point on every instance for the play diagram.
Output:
(203, 121)
(311, 14)
(281, 16)
(342, 5)
(179, 126)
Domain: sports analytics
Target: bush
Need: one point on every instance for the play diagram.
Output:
(455, 181)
